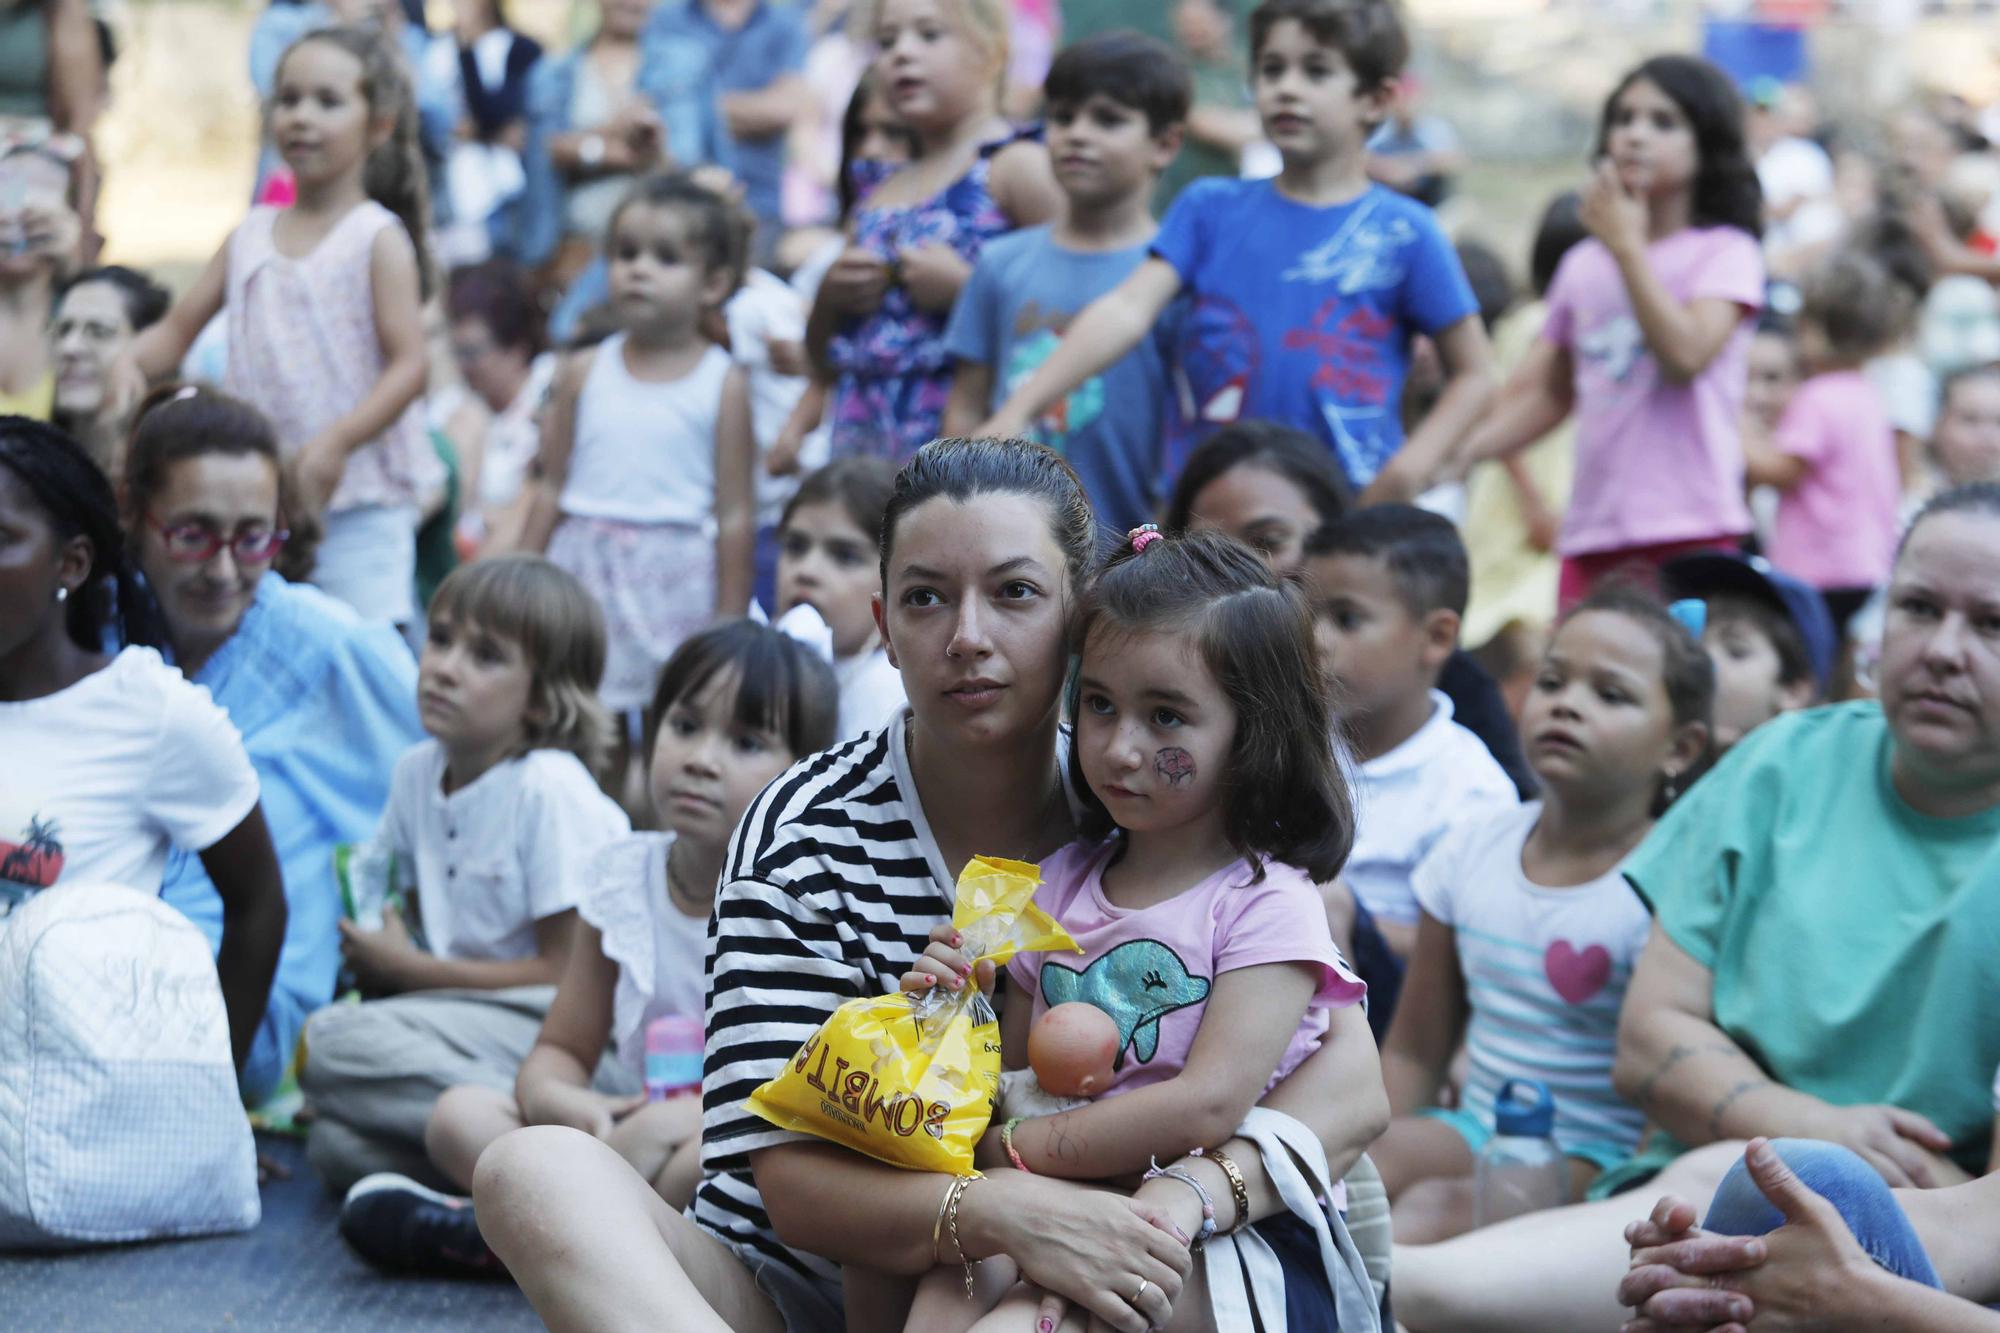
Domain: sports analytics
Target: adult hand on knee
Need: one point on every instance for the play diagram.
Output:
(1817, 1277)
(1906, 1148)
(1099, 1252)
(1675, 1265)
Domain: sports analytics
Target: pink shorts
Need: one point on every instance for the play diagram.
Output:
(1639, 565)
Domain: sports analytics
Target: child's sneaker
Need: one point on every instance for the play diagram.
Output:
(397, 1224)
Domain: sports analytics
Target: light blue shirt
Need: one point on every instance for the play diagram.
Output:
(326, 702)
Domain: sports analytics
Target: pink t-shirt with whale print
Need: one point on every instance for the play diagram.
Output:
(1152, 968)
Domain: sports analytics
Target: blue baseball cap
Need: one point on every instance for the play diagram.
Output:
(1755, 577)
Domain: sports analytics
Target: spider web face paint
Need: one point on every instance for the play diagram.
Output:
(1175, 765)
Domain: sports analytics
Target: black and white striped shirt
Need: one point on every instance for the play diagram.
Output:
(831, 888)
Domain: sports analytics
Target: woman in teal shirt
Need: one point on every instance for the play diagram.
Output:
(325, 702)
(1825, 955)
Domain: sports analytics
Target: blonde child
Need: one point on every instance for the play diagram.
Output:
(737, 705)
(1648, 327)
(1832, 457)
(878, 321)
(644, 488)
(1527, 932)
(829, 548)
(323, 304)
(490, 826)
(1214, 805)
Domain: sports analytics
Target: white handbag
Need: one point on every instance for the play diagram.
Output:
(1246, 1281)
(119, 1115)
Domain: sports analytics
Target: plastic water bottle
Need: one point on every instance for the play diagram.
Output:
(673, 1056)
(1520, 1170)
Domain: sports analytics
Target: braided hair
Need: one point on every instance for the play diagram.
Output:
(112, 605)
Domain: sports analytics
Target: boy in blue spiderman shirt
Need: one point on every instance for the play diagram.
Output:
(1306, 289)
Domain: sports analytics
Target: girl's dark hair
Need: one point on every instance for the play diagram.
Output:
(852, 125)
(1285, 796)
(394, 174)
(1975, 497)
(860, 485)
(959, 469)
(75, 494)
(1492, 288)
(1273, 446)
(1726, 193)
(1686, 669)
(782, 686)
(1560, 229)
(146, 301)
(714, 225)
(498, 294)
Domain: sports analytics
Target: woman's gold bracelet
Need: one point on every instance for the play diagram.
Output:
(1238, 1191)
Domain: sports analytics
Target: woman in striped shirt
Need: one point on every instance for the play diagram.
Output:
(837, 874)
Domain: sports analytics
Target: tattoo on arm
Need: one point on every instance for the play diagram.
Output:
(1729, 1099)
(1644, 1096)
(1064, 1146)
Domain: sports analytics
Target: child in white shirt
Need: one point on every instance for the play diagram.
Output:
(1388, 585)
(491, 824)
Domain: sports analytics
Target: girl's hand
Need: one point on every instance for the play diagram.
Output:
(378, 957)
(782, 459)
(319, 468)
(1612, 213)
(1397, 483)
(933, 274)
(1004, 424)
(943, 963)
(857, 281)
(595, 1113)
(1093, 1249)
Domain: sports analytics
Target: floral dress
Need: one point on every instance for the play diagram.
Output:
(892, 375)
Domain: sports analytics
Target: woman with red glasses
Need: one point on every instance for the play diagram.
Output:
(324, 700)
(109, 760)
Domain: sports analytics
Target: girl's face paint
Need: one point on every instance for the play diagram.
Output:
(1175, 766)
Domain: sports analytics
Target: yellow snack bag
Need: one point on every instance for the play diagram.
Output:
(910, 1078)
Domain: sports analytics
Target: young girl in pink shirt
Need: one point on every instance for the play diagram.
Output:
(1833, 454)
(1212, 807)
(1648, 330)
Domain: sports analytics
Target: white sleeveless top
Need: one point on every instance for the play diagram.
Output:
(303, 349)
(645, 452)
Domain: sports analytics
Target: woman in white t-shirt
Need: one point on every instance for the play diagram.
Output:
(107, 762)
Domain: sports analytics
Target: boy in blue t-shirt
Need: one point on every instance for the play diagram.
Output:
(1306, 289)
(1115, 108)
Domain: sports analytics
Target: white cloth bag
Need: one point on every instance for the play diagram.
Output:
(119, 1115)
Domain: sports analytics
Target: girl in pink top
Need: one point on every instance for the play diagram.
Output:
(1833, 454)
(324, 305)
(1648, 330)
(1212, 807)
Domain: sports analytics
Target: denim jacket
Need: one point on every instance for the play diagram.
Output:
(669, 76)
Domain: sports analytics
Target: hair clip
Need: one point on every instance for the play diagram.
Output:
(184, 393)
(1143, 536)
(1692, 613)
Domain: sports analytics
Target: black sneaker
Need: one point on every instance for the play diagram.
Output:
(397, 1224)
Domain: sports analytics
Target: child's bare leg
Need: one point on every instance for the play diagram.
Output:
(466, 1119)
(1442, 1207)
(681, 1176)
(1418, 1147)
(650, 1136)
(941, 1305)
